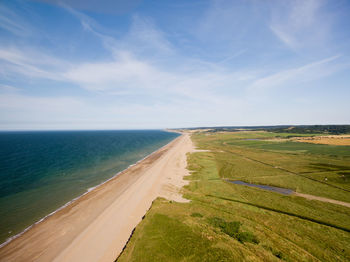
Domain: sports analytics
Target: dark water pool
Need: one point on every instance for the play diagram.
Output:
(280, 190)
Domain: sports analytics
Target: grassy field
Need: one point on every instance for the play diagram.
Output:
(228, 222)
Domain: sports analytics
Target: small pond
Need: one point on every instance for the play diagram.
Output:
(280, 190)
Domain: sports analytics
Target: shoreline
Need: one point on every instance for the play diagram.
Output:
(8, 240)
(13, 248)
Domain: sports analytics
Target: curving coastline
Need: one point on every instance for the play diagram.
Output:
(60, 235)
(7, 241)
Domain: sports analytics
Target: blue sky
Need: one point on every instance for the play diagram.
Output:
(162, 64)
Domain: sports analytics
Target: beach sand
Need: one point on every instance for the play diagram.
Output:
(97, 226)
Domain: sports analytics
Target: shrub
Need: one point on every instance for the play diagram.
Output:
(217, 222)
(247, 237)
(196, 215)
(278, 254)
(231, 228)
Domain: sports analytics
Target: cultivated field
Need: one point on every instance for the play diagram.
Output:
(229, 222)
(340, 140)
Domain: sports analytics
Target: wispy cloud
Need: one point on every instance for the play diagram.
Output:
(129, 70)
(308, 72)
(8, 89)
(90, 25)
(13, 23)
(230, 57)
(124, 73)
(104, 7)
(299, 23)
(145, 79)
(31, 64)
(145, 36)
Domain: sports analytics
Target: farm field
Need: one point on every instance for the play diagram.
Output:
(341, 140)
(233, 222)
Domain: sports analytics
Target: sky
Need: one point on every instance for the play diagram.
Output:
(76, 64)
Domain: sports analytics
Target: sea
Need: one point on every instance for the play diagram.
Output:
(41, 171)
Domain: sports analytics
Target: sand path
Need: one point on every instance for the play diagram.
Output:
(97, 226)
(323, 199)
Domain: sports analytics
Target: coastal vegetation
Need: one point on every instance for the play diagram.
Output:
(234, 222)
(294, 129)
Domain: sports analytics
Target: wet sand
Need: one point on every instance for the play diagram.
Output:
(97, 226)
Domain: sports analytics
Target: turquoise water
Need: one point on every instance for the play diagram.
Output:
(41, 171)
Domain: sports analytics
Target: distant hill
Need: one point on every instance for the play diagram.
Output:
(299, 129)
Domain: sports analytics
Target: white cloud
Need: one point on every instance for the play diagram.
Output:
(300, 23)
(8, 89)
(230, 57)
(13, 23)
(23, 112)
(303, 73)
(146, 82)
(126, 72)
(145, 36)
(31, 64)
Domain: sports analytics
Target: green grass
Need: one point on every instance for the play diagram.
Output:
(181, 242)
(228, 222)
(337, 178)
(298, 147)
(232, 229)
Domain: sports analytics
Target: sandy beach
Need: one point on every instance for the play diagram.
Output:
(97, 226)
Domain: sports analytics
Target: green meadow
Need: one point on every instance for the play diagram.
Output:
(229, 222)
